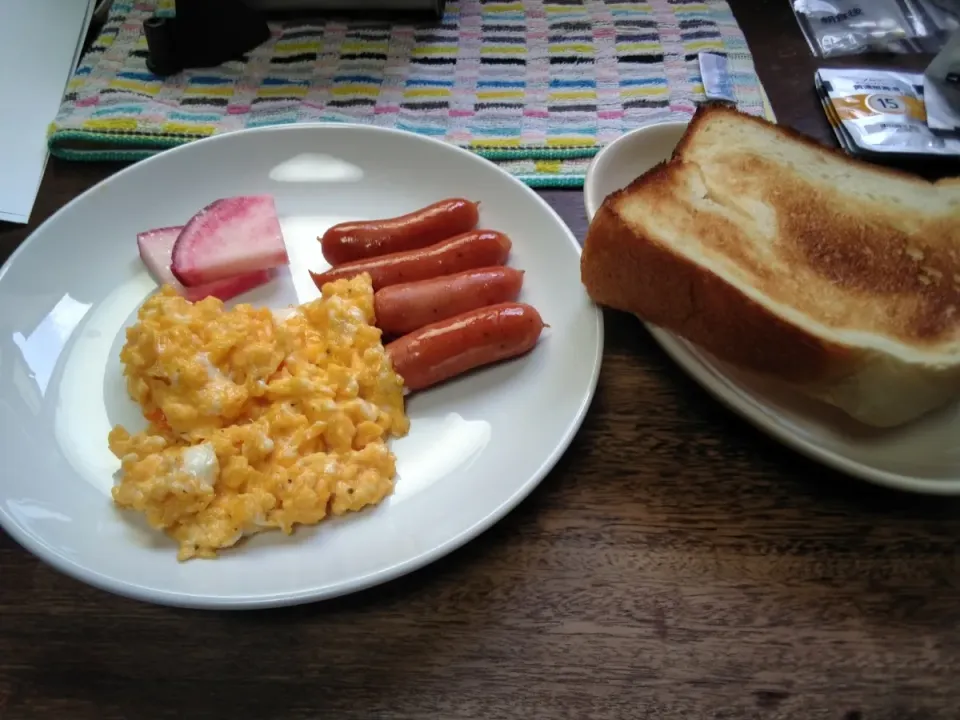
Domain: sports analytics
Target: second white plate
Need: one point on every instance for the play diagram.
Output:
(923, 456)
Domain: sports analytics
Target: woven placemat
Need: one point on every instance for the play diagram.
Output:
(537, 86)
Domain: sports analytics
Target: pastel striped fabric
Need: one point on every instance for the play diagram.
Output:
(537, 86)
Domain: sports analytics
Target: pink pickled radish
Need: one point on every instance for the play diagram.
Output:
(229, 237)
(156, 250)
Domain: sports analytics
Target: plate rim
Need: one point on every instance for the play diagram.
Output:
(39, 549)
(726, 390)
(735, 398)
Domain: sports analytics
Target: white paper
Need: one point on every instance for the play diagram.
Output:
(40, 44)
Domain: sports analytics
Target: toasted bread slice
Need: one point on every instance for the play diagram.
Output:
(792, 260)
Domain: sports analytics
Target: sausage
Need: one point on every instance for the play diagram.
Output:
(350, 241)
(475, 249)
(403, 308)
(443, 350)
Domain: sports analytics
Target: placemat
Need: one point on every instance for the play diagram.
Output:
(537, 86)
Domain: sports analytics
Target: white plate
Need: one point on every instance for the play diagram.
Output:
(923, 456)
(477, 445)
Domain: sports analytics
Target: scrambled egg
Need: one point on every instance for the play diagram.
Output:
(256, 422)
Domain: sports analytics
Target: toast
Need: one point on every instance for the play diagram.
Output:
(791, 260)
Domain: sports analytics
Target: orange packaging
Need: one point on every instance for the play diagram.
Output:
(878, 111)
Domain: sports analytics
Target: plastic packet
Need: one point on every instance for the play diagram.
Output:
(717, 83)
(877, 113)
(940, 16)
(851, 27)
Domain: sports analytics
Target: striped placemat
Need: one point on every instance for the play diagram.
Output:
(537, 86)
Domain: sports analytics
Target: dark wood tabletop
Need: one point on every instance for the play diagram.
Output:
(677, 563)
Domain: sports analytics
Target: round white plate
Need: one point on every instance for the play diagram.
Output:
(477, 445)
(923, 456)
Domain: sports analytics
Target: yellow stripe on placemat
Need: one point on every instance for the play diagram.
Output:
(499, 94)
(426, 92)
(637, 47)
(571, 47)
(355, 89)
(434, 50)
(550, 167)
(562, 142)
(502, 50)
(494, 144)
(176, 128)
(646, 91)
(701, 45)
(111, 124)
(574, 95)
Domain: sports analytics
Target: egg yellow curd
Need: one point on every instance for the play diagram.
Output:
(256, 421)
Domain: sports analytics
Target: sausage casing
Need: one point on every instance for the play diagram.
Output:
(443, 350)
(403, 308)
(474, 249)
(350, 241)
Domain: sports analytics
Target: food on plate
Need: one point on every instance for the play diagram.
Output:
(474, 249)
(231, 236)
(350, 241)
(409, 306)
(156, 250)
(450, 303)
(451, 347)
(256, 422)
(794, 261)
(235, 243)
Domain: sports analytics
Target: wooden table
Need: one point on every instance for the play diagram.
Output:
(676, 564)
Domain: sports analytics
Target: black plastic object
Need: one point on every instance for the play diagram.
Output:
(204, 33)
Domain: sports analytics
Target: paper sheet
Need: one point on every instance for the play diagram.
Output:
(40, 44)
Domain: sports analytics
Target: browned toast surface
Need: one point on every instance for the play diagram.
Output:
(813, 235)
(792, 260)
